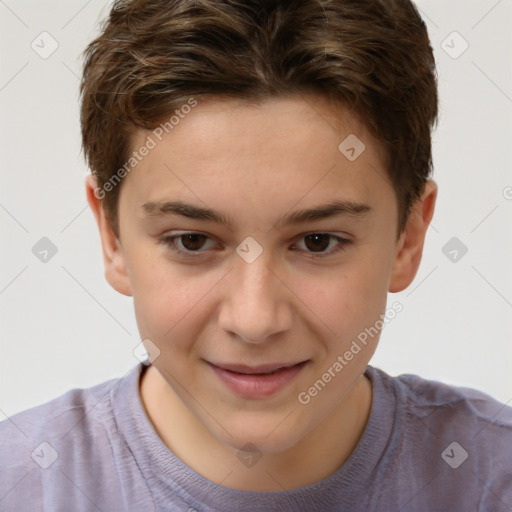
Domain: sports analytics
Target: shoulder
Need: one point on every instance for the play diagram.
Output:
(76, 409)
(458, 438)
(46, 450)
(453, 404)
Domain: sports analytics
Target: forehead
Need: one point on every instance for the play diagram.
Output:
(277, 152)
(232, 126)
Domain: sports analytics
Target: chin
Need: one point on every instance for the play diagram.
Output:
(270, 435)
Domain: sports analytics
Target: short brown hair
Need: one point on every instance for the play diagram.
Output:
(152, 56)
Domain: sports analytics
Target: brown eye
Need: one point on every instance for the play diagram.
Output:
(317, 241)
(322, 245)
(193, 241)
(189, 243)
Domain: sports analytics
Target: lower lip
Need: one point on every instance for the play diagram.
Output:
(258, 385)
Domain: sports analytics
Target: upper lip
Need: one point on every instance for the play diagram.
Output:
(248, 370)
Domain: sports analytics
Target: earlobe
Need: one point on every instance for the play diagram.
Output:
(114, 259)
(410, 245)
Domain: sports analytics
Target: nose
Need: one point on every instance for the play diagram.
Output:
(257, 304)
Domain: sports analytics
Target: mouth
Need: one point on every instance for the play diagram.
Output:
(257, 382)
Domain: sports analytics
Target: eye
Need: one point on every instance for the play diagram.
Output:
(317, 244)
(186, 242)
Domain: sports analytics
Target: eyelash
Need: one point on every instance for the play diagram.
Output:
(169, 241)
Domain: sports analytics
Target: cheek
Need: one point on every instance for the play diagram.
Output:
(168, 298)
(347, 299)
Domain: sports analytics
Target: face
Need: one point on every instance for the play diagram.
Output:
(256, 253)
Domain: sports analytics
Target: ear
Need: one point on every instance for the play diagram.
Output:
(113, 254)
(410, 244)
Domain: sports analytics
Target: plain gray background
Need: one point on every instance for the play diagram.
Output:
(62, 326)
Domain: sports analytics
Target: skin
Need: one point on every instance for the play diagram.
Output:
(256, 163)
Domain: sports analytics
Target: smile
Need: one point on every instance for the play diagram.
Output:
(259, 381)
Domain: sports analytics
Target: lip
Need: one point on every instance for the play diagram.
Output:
(251, 370)
(254, 382)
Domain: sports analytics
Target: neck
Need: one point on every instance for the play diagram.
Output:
(316, 456)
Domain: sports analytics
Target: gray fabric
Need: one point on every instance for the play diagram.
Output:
(111, 459)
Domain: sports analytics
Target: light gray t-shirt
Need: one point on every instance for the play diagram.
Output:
(427, 447)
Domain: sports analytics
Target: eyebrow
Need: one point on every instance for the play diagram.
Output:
(157, 209)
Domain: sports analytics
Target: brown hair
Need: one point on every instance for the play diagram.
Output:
(153, 56)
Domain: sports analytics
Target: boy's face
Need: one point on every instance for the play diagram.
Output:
(251, 295)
